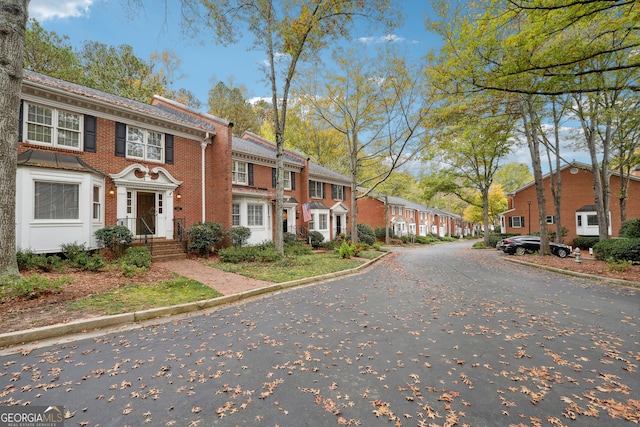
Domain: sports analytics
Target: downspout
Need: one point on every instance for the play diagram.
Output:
(203, 146)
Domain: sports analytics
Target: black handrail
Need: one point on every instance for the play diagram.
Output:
(141, 225)
(180, 233)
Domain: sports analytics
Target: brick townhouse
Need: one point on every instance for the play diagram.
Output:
(578, 211)
(408, 218)
(324, 193)
(88, 159)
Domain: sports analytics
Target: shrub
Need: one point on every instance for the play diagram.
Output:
(331, 245)
(366, 234)
(289, 238)
(28, 260)
(258, 253)
(31, 287)
(618, 249)
(380, 233)
(89, 262)
(585, 242)
(425, 240)
(315, 238)
(239, 235)
(297, 249)
(630, 229)
(346, 249)
(137, 256)
(116, 238)
(71, 251)
(203, 237)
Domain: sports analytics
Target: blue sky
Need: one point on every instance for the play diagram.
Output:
(202, 62)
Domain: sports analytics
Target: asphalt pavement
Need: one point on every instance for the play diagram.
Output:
(440, 335)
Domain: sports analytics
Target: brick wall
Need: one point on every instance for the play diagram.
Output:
(577, 191)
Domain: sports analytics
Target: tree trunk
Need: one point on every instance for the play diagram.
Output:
(529, 118)
(485, 210)
(13, 21)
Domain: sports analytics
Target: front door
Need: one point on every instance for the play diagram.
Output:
(338, 225)
(146, 206)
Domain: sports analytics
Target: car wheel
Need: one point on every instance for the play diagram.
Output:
(520, 250)
(562, 252)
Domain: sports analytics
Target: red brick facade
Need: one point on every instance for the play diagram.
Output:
(577, 193)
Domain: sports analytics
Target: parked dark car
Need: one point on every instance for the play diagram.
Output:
(520, 245)
(504, 242)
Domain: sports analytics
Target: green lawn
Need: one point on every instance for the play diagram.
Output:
(288, 269)
(141, 297)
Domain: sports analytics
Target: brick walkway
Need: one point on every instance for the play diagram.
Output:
(223, 282)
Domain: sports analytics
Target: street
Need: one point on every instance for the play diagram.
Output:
(435, 336)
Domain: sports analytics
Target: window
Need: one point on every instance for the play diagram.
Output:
(254, 215)
(144, 144)
(129, 202)
(239, 173)
(516, 221)
(323, 221)
(316, 189)
(337, 192)
(551, 219)
(592, 220)
(53, 127)
(96, 203)
(579, 220)
(235, 215)
(56, 201)
(287, 180)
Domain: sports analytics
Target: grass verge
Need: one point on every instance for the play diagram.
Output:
(141, 297)
(295, 268)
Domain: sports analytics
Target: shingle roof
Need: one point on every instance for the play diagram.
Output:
(262, 149)
(317, 170)
(114, 100)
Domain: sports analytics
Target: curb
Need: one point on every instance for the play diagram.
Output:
(577, 274)
(86, 325)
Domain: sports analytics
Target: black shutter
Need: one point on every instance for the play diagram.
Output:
(293, 180)
(168, 145)
(510, 221)
(324, 190)
(121, 139)
(20, 118)
(90, 128)
(344, 192)
(250, 173)
(274, 176)
(521, 221)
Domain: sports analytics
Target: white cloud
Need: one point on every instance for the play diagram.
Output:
(389, 38)
(43, 10)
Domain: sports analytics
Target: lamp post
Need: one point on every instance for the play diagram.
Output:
(529, 217)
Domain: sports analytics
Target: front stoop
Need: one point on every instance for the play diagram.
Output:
(165, 250)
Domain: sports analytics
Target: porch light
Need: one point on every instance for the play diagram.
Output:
(112, 191)
(178, 195)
